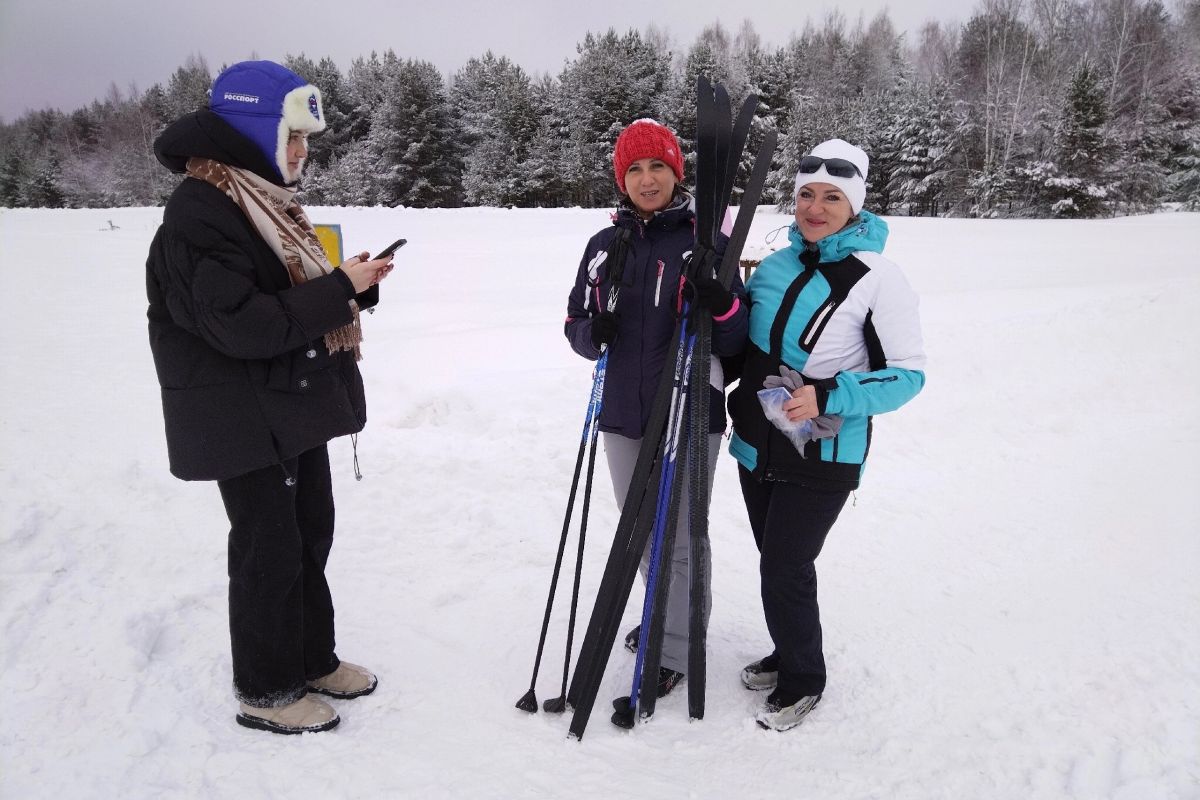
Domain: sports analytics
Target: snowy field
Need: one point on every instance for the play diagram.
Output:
(1011, 604)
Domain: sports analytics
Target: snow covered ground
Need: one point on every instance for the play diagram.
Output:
(1011, 605)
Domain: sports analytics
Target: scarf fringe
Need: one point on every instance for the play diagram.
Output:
(348, 337)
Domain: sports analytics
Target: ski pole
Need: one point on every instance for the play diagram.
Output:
(528, 701)
(557, 705)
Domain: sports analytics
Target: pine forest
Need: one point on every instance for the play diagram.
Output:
(1031, 108)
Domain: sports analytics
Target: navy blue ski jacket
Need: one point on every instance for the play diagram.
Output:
(647, 308)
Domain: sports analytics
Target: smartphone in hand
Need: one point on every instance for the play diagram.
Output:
(368, 299)
(391, 248)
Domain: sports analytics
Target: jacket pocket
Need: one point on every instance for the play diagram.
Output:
(302, 371)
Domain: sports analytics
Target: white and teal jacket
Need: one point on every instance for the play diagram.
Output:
(845, 317)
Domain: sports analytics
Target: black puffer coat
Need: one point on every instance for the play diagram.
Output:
(246, 378)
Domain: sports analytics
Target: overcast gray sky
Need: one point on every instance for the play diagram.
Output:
(65, 53)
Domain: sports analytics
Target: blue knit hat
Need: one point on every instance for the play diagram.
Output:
(265, 102)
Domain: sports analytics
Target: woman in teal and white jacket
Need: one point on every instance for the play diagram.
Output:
(836, 324)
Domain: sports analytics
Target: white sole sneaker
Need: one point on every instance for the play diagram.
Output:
(784, 719)
(756, 679)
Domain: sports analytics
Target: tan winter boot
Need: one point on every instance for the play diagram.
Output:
(306, 715)
(347, 681)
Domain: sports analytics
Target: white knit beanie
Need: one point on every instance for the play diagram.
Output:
(854, 188)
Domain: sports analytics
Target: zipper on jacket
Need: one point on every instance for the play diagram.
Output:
(817, 324)
(658, 283)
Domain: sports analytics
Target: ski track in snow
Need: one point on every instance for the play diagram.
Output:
(1010, 604)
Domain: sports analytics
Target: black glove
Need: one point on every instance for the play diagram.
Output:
(604, 328)
(712, 295)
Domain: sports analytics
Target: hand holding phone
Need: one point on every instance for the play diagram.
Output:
(365, 274)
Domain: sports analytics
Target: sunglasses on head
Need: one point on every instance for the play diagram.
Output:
(838, 167)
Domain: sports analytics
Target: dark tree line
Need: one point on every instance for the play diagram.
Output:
(1067, 108)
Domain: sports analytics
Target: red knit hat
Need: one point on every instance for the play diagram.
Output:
(645, 138)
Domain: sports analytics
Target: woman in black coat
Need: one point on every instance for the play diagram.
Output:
(255, 338)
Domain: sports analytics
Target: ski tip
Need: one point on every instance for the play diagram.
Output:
(528, 702)
(555, 705)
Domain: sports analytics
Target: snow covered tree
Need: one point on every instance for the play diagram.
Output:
(336, 102)
(919, 141)
(995, 59)
(11, 181)
(187, 90)
(43, 189)
(710, 55)
(1078, 182)
(545, 166)
(349, 179)
(1183, 159)
(493, 101)
(933, 57)
(874, 62)
(614, 80)
(771, 83)
(413, 138)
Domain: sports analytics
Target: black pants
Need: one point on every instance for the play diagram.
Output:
(280, 610)
(790, 522)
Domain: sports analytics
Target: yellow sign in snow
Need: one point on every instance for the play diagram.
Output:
(330, 237)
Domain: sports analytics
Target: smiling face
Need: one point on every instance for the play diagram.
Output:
(297, 152)
(650, 184)
(821, 209)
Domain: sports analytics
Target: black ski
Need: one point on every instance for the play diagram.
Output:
(633, 529)
(713, 137)
(700, 557)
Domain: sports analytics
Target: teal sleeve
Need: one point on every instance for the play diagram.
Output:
(865, 394)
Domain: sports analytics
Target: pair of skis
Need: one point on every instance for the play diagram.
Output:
(682, 392)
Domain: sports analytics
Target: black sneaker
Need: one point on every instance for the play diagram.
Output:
(668, 679)
(622, 716)
(631, 639)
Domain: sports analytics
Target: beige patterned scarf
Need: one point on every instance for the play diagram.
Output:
(283, 225)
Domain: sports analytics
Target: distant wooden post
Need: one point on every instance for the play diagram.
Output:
(752, 256)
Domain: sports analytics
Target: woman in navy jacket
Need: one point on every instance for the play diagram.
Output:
(656, 218)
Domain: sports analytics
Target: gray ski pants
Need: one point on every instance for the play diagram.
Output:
(622, 453)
